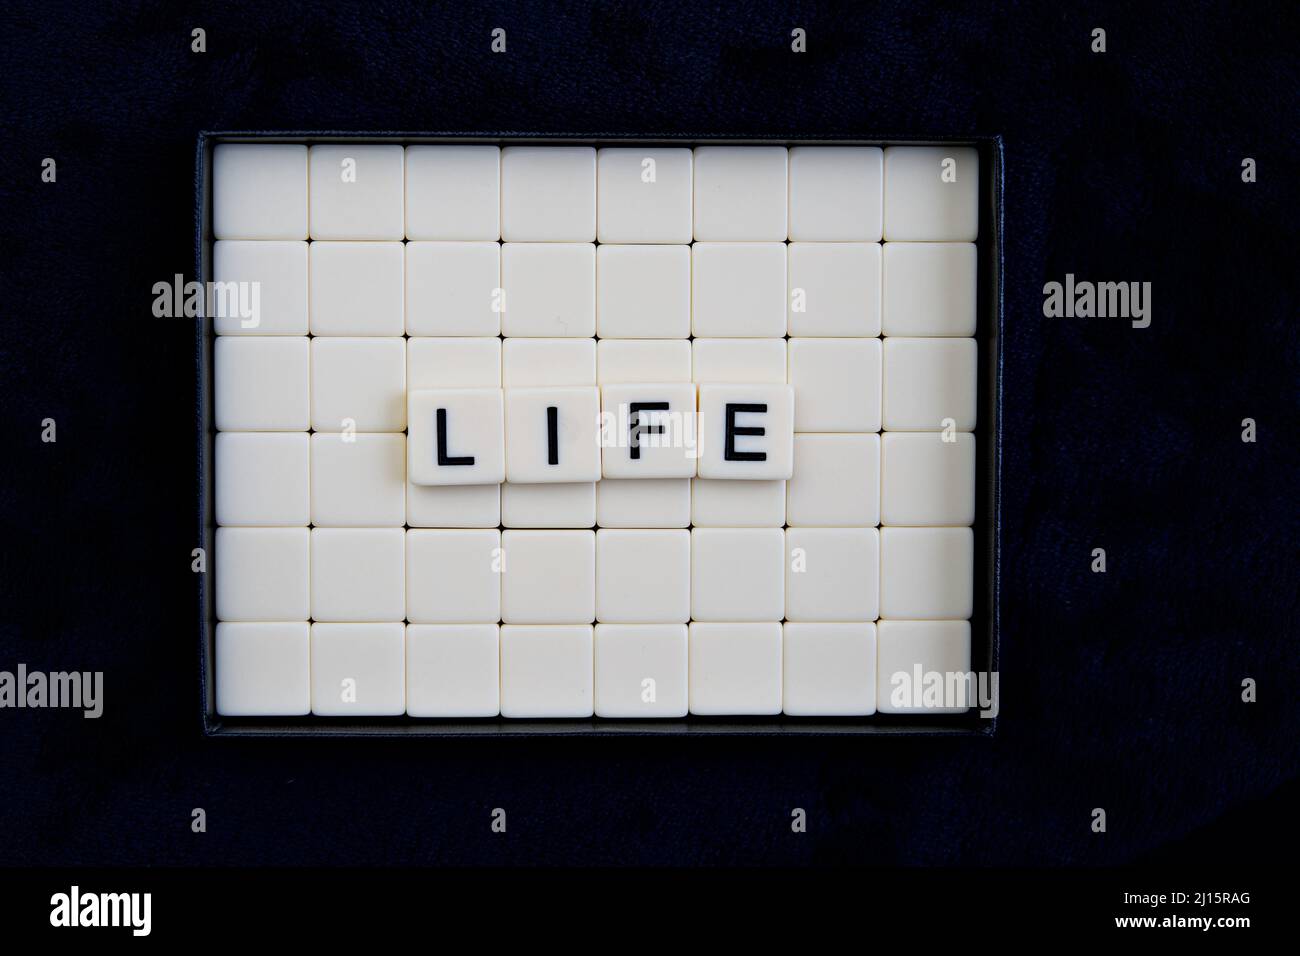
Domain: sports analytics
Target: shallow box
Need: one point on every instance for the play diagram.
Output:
(987, 528)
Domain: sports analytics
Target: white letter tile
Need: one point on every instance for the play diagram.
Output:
(453, 192)
(549, 578)
(358, 670)
(829, 670)
(836, 193)
(740, 193)
(452, 670)
(262, 479)
(259, 191)
(836, 482)
(738, 289)
(262, 574)
(644, 195)
(926, 573)
(263, 670)
(928, 382)
(735, 669)
(836, 384)
(643, 577)
(356, 288)
(358, 384)
(358, 574)
(453, 288)
(547, 671)
(357, 192)
(737, 574)
(832, 574)
(548, 194)
(262, 384)
(550, 289)
(452, 577)
(456, 436)
(643, 292)
(926, 480)
(641, 670)
(931, 194)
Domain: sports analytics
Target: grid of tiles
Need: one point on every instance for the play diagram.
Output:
(381, 271)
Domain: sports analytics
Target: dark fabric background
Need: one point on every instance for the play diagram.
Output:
(1118, 691)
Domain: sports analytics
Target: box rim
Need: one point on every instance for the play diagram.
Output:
(991, 396)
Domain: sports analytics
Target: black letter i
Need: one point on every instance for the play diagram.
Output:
(552, 435)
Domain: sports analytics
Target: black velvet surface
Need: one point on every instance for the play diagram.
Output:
(1119, 690)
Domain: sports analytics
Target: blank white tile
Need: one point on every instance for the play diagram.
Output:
(834, 288)
(546, 671)
(926, 480)
(740, 193)
(735, 669)
(453, 577)
(738, 289)
(269, 291)
(356, 288)
(739, 361)
(746, 432)
(453, 363)
(829, 670)
(836, 193)
(836, 384)
(643, 195)
(832, 574)
(929, 288)
(550, 289)
(550, 577)
(648, 430)
(539, 363)
(643, 503)
(641, 670)
(926, 573)
(259, 191)
(933, 647)
(456, 436)
(737, 574)
(453, 288)
(737, 504)
(358, 670)
(453, 192)
(358, 383)
(262, 384)
(643, 360)
(548, 194)
(643, 292)
(262, 479)
(549, 506)
(931, 193)
(358, 574)
(574, 454)
(453, 506)
(357, 192)
(453, 670)
(836, 482)
(643, 576)
(262, 574)
(358, 483)
(263, 669)
(929, 382)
